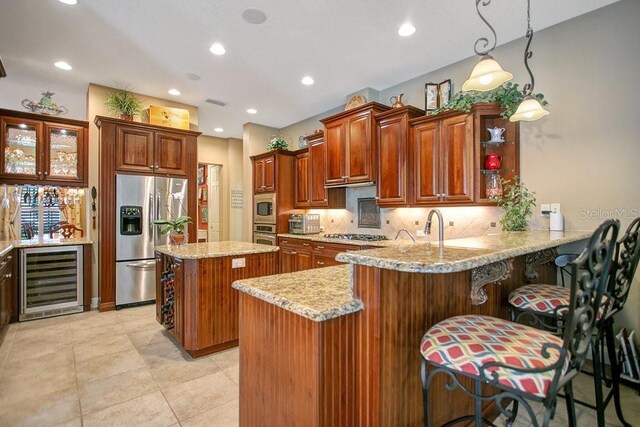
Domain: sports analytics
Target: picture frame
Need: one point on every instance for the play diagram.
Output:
(201, 174)
(430, 96)
(444, 93)
(204, 214)
(368, 213)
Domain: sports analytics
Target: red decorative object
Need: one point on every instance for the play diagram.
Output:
(492, 161)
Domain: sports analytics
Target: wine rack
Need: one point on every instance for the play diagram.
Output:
(167, 279)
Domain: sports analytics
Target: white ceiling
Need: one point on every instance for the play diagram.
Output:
(346, 45)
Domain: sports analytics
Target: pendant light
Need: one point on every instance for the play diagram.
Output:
(530, 108)
(487, 74)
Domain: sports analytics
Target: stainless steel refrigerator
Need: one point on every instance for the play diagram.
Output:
(139, 201)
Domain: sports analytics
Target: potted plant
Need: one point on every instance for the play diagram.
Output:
(174, 227)
(508, 96)
(124, 104)
(277, 142)
(518, 203)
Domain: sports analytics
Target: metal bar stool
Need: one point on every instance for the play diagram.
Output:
(547, 305)
(523, 363)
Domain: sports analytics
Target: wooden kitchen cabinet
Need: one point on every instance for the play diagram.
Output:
(264, 174)
(350, 136)
(143, 150)
(310, 191)
(393, 185)
(303, 254)
(43, 150)
(441, 154)
(7, 294)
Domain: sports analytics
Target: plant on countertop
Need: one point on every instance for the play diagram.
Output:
(277, 143)
(518, 203)
(508, 96)
(123, 103)
(173, 226)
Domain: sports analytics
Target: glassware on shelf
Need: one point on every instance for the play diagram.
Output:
(494, 186)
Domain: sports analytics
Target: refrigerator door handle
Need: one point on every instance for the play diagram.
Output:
(143, 264)
(150, 217)
(157, 215)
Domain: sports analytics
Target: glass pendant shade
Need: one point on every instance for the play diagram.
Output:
(486, 75)
(529, 110)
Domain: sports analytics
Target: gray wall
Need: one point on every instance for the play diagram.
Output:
(585, 154)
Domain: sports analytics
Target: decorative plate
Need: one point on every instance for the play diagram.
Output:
(355, 101)
(302, 142)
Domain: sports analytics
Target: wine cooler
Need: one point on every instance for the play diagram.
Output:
(50, 281)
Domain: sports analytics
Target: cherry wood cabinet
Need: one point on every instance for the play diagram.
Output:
(264, 174)
(43, 150)
(310, 191)
(147, 151)
(393, 185)
(303, 254)
(350, 137)
(138, 148)
(8, 288)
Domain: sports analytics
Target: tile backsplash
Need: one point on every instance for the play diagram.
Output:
(458, 221)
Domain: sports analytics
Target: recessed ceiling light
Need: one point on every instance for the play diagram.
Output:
(71, 2)
(252, 111)
(254, 16)
(217, 49)
(307, 80)
(63, 65)
(406, 30)
(219, 130)
(174, 92)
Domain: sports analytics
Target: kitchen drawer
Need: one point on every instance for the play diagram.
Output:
(321, 260)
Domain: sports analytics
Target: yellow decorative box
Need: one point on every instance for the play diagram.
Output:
(171, 117)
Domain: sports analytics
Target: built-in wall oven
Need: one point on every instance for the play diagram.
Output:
(264, 234)
(264, 208)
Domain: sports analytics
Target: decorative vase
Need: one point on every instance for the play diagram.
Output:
(494, 186)
(176, 239)
(492, 162)
(496, 134)
(127, 117)
(396, 101)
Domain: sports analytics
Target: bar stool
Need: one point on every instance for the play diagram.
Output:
(522, 362)
(547, 306)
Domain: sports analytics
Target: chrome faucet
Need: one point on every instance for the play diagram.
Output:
(427, 226)
(406, 231)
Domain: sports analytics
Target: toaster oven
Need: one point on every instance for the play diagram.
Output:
(304, 223)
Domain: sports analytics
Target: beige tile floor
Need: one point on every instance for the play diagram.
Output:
(121, 369)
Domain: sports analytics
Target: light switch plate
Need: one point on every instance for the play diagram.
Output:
(238, 262)
(555, 207)
(545, 209)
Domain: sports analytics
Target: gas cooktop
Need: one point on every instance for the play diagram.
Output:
(354, 236)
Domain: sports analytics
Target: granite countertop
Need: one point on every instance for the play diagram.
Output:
(215, 249)
(7, 245)
(321, 238)
(460, 254)
(319, 294)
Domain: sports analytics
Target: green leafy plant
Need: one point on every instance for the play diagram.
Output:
(173, 226)
(518, 203)
(122, 102)
(277, 143)
(508, 96)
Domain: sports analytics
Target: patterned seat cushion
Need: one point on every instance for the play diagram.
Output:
(465, 343)
(541, 298)
(545, 298)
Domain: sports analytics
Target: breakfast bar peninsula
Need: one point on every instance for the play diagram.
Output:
(194, 298)
(340, 345)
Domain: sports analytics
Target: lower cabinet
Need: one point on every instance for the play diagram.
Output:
(301, 254)
(7, 285)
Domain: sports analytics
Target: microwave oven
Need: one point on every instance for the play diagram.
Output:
(264, 208)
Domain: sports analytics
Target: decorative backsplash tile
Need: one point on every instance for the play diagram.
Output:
(458, 221)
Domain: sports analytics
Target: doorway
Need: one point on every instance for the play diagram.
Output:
(209, 199)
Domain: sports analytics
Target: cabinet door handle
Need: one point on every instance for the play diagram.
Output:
(294, 253)
(305, 244)
(320, 263)
(8, 276)
(345, 177)
(39, 174)
(319, 247)
(10, 257)
(151, 167)
(284, 242)
(46, 173)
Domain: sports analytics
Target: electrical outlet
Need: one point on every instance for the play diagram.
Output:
(420, 233)
(238, 263)
(555, 207)
(545, 209)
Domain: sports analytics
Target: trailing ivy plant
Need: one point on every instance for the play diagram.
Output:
(518, 203)
(277, 143)
(508, 96)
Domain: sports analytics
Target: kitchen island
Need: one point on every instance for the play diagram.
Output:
(360, 366)
(194, 298)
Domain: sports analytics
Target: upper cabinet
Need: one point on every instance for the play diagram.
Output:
(264, 174)
(41, 149)
(144, 150)
(350, 152)
(393, 149)
(310, 191)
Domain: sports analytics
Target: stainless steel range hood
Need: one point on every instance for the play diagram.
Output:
(352, 185)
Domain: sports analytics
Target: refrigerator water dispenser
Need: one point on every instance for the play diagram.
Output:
(130, 220)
